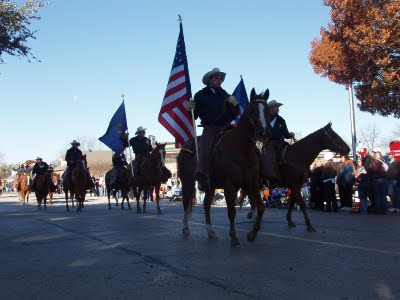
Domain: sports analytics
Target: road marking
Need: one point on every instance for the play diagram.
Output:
(291, 237)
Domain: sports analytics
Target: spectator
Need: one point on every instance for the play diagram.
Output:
(316, 199)
(377, 174)
(394, 182)
(346, 179)
(362, 185)
(328, 175)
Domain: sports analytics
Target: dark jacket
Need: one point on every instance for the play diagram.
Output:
(346, 173)
(279, 132)
(40, 168)
(329, 171)
(139, 145)
(119, 160)
(72, 156)
(213, 109)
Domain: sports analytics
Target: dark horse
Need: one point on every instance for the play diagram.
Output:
(296, 161)
(42, 189)
(78, 183)
(235, 165)
(153, 173)
(122, 185)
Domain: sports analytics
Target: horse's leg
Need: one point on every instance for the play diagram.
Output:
(27, 197)
(289, 212)
(207, 207)
(255, 194)
(39, 200)
(157, 190)
(230, 197)
(145, 199)
(108, 197)
(188, 193)
(127, 198)
(138, 192)
(45, 200)
(66, 199)
(303, 208)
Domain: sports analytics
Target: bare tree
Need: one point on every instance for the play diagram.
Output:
(87, 143)
(371, 136)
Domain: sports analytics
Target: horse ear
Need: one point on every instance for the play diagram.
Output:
(329, 125)
(253, 94)
(266, 94)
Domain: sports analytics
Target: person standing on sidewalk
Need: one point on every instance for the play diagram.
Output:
(328, 175)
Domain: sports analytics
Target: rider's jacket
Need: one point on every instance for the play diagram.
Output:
(212, 107)
(72, 156)
(40, 168)
(279, 130)
(139, 145)
(23, 170)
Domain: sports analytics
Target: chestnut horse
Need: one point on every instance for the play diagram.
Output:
(24, 187)
(122, 185)
(78, 183)
(296, 161)
(42, 189)
(235, 165)
(151, 175)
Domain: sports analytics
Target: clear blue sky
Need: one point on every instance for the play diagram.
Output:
(93, 51)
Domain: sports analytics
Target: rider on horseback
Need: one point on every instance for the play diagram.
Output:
(216, 110)
(72, 156)
(276, 144)
(141, 146)
(22, 169)
(41, 168)
(119, 162)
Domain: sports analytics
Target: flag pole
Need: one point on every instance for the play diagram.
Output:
(129, 145)
(194, 131)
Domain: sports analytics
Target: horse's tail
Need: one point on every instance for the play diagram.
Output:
(186, 174)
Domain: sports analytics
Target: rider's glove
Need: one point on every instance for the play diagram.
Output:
(232, 100)
(191, 105)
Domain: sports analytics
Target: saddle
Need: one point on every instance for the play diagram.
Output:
(272, 158)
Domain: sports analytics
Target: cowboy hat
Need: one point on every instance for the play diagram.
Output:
(213, 72)
(377, 149)
(273, 103)
(38, 158)
(328, 156)
(140, 129)
(74, 142)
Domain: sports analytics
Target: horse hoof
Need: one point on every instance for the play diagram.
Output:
(251, 236)
(291, 224)
(212, 235)
(310, 229)
(186, 231)
(249, 215)
(235, 244)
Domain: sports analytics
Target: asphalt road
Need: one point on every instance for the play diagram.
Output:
(102, 254)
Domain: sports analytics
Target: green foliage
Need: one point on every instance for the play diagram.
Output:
(14, 27)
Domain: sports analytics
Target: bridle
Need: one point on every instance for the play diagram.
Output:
(333, 141)
(254, 137)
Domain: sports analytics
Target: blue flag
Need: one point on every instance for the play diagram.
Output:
(118, 125)
(241, 96)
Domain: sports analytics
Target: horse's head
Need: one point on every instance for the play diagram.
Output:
(332, 141)
(158, 153)
(257, 113)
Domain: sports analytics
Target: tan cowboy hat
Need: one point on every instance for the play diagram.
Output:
(210, 74)
(273, 103)
(74, 142)
(139, 129)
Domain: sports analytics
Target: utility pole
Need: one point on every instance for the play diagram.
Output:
(353, 124)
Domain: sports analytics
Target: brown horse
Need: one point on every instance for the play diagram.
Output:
(152, 174)
(42, 189)
(24, 187)
(77, 184)
(122, 185)
(235, 165)
(296, 162)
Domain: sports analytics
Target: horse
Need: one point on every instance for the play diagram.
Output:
(296, 161)
(24, 188)
(235, 165)
(122, 185)
(152, 174)
(78, 183)
(42, 189)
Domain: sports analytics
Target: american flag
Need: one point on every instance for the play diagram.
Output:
(173, 114)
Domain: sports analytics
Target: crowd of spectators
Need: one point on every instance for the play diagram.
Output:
(373, 180)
